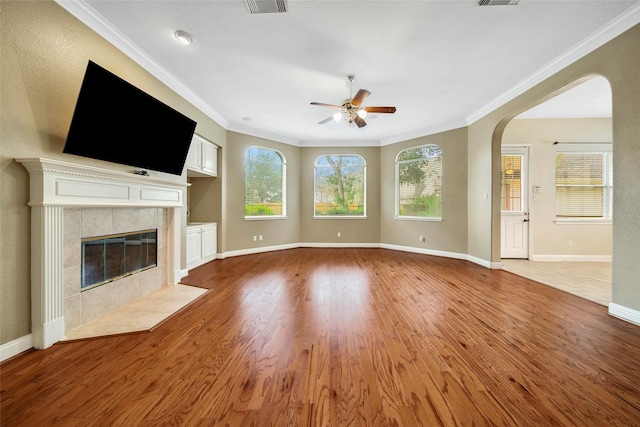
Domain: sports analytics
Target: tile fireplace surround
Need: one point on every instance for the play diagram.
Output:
(81, 307)
(70, 201)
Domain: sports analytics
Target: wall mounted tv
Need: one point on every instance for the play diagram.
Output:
(115, 121)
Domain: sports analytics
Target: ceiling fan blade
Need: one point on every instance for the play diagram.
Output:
(360, 97)
(380, 109)
(321, 104)
(328, 119)
(359, 121)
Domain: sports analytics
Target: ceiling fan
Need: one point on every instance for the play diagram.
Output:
(352, 109)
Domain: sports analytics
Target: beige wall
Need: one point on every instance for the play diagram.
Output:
(618, 61)
(276, 232)
(379, 226)
(549, 239)
(360, 230)
(44, 55)
(448, 235)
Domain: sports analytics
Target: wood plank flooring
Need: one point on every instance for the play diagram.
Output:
(344, 337)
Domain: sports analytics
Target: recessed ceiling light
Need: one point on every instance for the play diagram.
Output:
(183, 37)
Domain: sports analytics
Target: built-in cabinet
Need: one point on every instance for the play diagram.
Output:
(201, 238)
(201, 243)
(202, 159)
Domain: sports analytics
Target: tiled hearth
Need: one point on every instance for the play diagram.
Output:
(141, 314)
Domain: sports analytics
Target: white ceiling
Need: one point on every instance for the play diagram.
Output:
(586, 100)
(443, 64)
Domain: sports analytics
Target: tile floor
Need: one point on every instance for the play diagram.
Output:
(141, 314)
(589, 280)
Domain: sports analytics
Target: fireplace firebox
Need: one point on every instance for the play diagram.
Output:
(108, 258)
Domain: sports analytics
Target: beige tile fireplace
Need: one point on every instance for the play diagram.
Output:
(81, 307)
(71, 201)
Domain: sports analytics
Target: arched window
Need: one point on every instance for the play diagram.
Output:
(339, 186)
(264, 183)
(419, 182)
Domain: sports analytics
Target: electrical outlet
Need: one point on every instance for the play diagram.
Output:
(339, 234)
(260, 237)
(422, 239)
(255, 238)
(570, 243)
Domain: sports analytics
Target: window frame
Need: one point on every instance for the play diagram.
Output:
(283, 159)
(364, 187)
(606, 150)
(525, 193)
(397, 162)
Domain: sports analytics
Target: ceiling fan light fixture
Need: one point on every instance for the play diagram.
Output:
(352, 110)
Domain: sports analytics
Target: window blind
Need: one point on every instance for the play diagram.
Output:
(511, 183)
(583, 185)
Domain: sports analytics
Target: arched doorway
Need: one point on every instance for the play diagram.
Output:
(564, 211)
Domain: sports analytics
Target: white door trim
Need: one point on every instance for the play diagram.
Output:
(524, 151)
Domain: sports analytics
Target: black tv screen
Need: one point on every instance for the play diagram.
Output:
(117, 122)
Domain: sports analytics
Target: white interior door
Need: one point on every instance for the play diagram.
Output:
(514, 203)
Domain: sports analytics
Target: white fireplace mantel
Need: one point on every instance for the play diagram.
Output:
(55, 185)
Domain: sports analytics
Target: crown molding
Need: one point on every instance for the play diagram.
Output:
(613, 29)
(345, 143)
(97, 23)
(431, 130)
(234, 127)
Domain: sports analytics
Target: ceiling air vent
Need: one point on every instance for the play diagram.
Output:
(267, 6)
(498, 2)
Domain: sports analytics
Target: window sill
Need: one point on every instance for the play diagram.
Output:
(264, 218)
(339, 217)
(583, 221)
(417, 218)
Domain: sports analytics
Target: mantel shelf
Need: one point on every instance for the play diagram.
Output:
(58, 183)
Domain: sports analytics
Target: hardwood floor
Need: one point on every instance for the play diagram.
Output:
(337, 337)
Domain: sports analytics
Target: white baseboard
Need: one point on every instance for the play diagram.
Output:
(15, 347)
(412, 249)
(339, 245)
(625, 313)
(455, 255)
(583, 258)
(485, 263)
(257, 250)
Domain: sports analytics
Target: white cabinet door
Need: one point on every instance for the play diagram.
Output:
(209, 237)
(202, 160)
(209, 159)
(194, 155)
(194, 245)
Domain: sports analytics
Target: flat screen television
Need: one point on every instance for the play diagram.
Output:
(117, 122)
